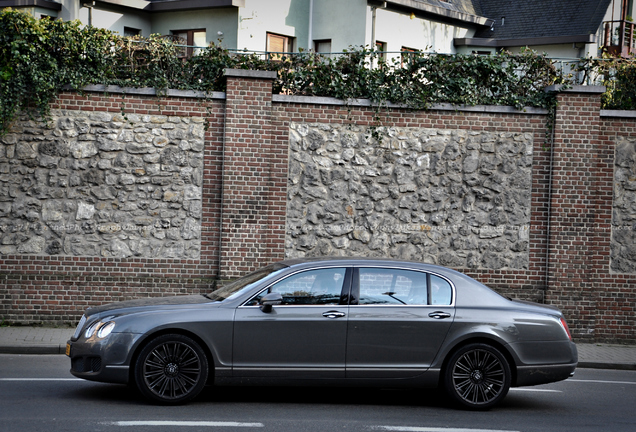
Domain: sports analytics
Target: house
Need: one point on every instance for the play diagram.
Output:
(572, 29)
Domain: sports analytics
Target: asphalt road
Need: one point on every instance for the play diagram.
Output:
(38, 394)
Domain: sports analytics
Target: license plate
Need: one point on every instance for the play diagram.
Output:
(68, 349)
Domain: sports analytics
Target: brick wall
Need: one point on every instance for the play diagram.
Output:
(254, 177)
(245, 196)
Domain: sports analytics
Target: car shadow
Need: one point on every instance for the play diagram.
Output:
(292, 395)
(304, 395)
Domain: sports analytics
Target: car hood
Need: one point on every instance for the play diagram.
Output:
(149, 302)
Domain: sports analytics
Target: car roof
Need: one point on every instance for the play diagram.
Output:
(362, 261)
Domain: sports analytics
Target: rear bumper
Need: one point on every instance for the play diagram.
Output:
(535, 375)
(553, 362)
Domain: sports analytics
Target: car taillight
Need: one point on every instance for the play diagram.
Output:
(565, 327)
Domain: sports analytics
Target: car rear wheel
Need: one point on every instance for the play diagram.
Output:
(477, 376)
(171, 369)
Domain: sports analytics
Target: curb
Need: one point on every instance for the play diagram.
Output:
(600, 365)
(35, 349)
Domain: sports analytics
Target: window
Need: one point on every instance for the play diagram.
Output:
(406, 53)
(278, 44)
(441, 291)
(392, 287)
(313, 287)
(192, 39)
(402, 287)
(381, 47)
(322, 46)
(130, 32)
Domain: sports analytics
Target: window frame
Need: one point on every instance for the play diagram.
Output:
(317, 42)
(189, 49)
(288, 45)
(355, 288)
(345, 291)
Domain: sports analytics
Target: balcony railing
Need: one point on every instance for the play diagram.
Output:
(619, 39)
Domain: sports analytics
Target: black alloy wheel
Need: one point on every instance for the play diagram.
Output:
(171, 369)
(477, 376)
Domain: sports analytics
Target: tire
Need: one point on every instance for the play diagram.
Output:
(477, 376)
(171, 369)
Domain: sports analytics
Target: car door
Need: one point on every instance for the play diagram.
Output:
(397, 322)
(304, 336)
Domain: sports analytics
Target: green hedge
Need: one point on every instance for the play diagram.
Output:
(39, 57)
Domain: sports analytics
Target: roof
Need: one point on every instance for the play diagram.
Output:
(467, 11)
(472, 7)
(525, 19)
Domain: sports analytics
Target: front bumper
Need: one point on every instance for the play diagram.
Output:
(104, 360)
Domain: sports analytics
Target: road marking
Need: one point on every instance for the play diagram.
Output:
(184, 423)
(41, 379)
(536, 390)
(600, 381)
(432, 429)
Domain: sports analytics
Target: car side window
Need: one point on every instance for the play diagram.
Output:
(441, 291)
(312, 287)
(392, 287)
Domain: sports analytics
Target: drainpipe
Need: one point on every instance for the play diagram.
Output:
(373, 15)
(310, 40)
(549, 215)
(89, 5)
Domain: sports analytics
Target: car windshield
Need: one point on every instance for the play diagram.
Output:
(234, 288)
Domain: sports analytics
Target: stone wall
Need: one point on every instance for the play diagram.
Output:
(99, 184)
(457, 198)
(624, 215)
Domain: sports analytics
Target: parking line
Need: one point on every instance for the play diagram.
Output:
(184, 423)
(433, 429)
(41, 379)
(600, 381)
(535, 390)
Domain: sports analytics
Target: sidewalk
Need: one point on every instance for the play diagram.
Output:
(44, 340)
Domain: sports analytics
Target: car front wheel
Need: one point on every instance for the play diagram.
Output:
(171, 369)
(477, 376)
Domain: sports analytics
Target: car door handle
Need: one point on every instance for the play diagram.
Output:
(333, 314)
(439, 315)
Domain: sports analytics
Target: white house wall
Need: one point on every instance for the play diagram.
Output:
(213, 21)
(344, 22)
(399, 30)
(284, 17)
(70, 10)
(115, 20)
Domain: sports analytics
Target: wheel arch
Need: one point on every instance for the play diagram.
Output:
(501, 347)
(174, 330)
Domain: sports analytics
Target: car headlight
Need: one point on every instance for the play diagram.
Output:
(103, 329)
(91, 330)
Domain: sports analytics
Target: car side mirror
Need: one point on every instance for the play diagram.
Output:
(269, 300)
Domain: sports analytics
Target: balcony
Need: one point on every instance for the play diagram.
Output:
(618, 40)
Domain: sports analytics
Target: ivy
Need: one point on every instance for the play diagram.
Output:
(38, 58)
(618, 75)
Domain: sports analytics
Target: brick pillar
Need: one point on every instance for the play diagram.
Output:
(254, 177)
(581, 208)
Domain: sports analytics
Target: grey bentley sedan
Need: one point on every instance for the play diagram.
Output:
(336, 321)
